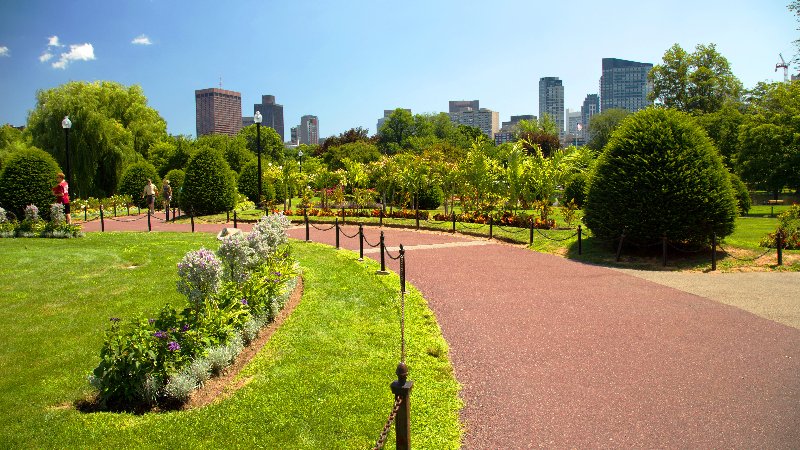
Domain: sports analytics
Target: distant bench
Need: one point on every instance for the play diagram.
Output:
(774, 202)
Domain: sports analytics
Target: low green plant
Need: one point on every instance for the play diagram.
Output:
(789, 227)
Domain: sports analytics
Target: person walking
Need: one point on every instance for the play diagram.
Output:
(166, 196)
(61, 191)
(150, 192)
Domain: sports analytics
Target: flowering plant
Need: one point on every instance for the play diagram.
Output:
(199, 275)
(32, 213)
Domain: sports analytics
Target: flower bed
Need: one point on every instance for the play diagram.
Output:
(232, 294)
(32, 225)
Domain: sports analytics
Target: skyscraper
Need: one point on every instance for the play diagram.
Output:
(309, 130)
(591, 106)
(624, 85)
(271, 113)
(458, 106)
(218, 111)
(551, 101)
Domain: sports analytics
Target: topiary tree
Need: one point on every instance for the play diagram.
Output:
(27, 178)
(743, 199)
(176, 177)
(575, 189)
(248, 183)
(430, 197)
(133, 180)
(209, 186)
(660, 175)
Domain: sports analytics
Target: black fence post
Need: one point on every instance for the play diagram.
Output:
(305, 218)
(383, 257)
(129, 209)
(361, 242)
(454, 222)
(580, 243)
(337, 233)
(402, 388)
(85, 214)
(664, 249)
(173, 214)
(191, 218)
(416, 213)
(102, 222)
(619, 247)
(779, 238)
(114, 205)
(380, 216)
(235, 220)
(491, 227)
(149, 225)
(530, 240)
(713, 251)
(228, 217)
(343, 221)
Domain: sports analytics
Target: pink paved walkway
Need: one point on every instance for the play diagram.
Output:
(554, 353)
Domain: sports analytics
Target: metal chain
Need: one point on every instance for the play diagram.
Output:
(436, 222)
(386, 249)
(507, 229)
(385, 432)
(554, 239)
(124, 221)
(371, 245)
(322, 229)
(347, 235)
(743, 259)
(464, 225)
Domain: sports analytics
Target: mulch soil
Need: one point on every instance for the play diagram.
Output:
(555, 353)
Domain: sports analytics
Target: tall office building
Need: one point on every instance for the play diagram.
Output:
(487, 120)
(218, 111)
(458, 106)
(308, 133)
(295, 140)
(624, 85)
(591, 106)
(551, 101)
(508, 126)
(271, 114)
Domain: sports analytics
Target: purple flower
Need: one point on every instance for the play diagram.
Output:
(185, 327)
(114, 319)
(173, 346)
(152, 321)
(244, 301)
(160, 334)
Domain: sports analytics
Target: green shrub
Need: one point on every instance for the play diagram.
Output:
(176, 177)
(430, 197)
(248, 183)
(575, 189)
(209, 185)
(789, 226)
(133, 180)
(27, 178)
(660, 175)
(743, 199)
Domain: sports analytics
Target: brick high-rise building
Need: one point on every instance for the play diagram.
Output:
(218, 111)
(271, 113)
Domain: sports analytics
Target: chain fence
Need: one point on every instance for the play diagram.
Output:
(388, 426)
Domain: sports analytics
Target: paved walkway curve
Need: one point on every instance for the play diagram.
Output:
(554, 353)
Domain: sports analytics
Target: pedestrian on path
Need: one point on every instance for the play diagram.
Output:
(166, 196)
(150, 192)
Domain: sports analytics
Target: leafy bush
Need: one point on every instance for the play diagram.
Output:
(743, 199)
(209, 185)
(660, 175)
(176, 177)
(133, 180)
(575, 189)
(248, 183)
(27, 178)
(430, 197)
(789, 227)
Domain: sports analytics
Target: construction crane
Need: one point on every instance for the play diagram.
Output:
(785, 68)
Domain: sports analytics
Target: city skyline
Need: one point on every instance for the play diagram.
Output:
(347, 63)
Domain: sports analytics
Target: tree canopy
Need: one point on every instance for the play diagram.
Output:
(698, 82)
(602, 125)
(111, 125)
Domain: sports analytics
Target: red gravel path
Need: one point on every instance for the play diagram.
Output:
(554, 353)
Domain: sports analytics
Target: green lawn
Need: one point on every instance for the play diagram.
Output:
(322, 381)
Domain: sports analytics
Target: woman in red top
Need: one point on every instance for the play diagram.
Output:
(61, 191)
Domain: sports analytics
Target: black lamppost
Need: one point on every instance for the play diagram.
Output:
(300, 155)
(66, 124)
(257, 120)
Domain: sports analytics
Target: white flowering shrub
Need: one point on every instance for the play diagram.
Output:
(199, 275)
(238, 258)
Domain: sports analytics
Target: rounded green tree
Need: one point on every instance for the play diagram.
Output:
(209, 186)
(660, 175)
(248, 184)
(134, 178)
(27, 178)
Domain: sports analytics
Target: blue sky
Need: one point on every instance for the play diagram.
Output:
(347, 61)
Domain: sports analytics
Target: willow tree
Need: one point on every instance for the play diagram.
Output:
(111, 125)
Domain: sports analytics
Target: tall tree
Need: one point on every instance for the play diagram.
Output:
(698, 82)
(602, 125)
(538, 135)
(395, 131)
(769, 139)
(111, 124)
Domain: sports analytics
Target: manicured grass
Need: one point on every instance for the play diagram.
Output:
(322, 381)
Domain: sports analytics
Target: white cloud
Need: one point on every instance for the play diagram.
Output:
(142, 39)
(4, 51)
(83, 52)
(52, 41)
(45, 56)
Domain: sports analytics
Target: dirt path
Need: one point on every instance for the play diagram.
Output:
(553, 353)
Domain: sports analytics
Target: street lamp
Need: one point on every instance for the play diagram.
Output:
(257, 120)
(300, 155)
(66, 124)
